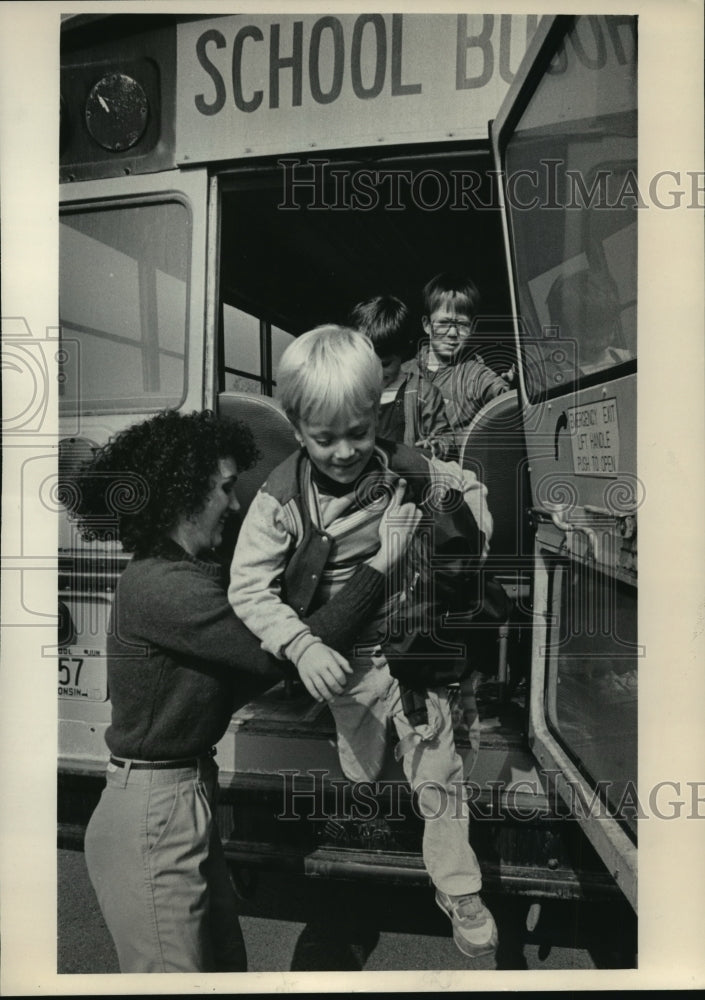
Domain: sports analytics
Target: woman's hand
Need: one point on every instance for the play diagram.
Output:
(437, 447)
(323, 671)
(398, 524)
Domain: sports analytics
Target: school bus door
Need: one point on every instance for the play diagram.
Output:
(565, 140)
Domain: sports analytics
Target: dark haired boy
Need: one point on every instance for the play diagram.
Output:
(412, 410)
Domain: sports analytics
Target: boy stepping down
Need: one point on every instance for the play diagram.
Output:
(310, 527)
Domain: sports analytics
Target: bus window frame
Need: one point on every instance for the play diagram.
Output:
(584, 380)
(265, 376)
(551, 32)
(190, 190)
(614, 845)
(558, 567)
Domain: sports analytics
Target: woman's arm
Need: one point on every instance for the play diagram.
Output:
(177, 607)
(260, 556)
(338, 622)
(174, 605)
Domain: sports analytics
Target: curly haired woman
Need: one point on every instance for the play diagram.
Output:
(179, 661)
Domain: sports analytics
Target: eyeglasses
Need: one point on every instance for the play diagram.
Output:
(445, 325)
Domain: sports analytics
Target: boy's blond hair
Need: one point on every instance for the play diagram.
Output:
(328, 371)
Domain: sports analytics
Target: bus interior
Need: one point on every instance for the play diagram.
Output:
(300, 245)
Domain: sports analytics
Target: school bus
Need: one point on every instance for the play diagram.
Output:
(229, 182)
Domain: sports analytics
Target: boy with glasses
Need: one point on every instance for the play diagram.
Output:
(465, 382)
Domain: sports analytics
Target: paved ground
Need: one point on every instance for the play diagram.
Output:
(295, 923)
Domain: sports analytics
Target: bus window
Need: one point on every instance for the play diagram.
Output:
(123, 307)
(592, 677)
(576, 266)
(280, 341)
(241, 350)
(252, 348)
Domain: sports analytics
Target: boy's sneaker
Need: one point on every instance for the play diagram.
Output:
(474, 929)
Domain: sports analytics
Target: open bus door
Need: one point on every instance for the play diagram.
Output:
(565, 141)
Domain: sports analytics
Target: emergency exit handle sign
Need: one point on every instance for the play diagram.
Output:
(594, 438)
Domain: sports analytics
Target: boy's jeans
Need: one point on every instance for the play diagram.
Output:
(157, 865)
(431, 764)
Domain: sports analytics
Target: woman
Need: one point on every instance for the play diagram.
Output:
(179, 661)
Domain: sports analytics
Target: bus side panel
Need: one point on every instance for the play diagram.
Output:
(132, 308)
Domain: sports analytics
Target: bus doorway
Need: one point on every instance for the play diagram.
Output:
(301, 240)
(305, 238)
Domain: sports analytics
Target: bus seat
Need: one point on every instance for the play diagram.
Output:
(493, 448)
(273, 435)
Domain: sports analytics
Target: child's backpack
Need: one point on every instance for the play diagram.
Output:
(442, 576)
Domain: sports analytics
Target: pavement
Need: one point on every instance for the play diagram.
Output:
(294, 923)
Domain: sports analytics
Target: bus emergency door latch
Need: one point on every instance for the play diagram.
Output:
(568, 527)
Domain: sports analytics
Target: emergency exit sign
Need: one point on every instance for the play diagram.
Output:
(594, 437)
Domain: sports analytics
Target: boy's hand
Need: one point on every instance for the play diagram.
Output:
(323, 671)
(398, 523)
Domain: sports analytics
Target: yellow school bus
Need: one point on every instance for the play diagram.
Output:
(229, 182)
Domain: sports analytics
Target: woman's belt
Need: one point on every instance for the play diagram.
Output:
(160, 765)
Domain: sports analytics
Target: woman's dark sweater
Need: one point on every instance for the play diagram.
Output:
(179, 660)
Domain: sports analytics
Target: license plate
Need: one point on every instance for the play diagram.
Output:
(82, 674)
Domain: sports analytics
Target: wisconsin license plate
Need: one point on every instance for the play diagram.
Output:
(82, 673)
